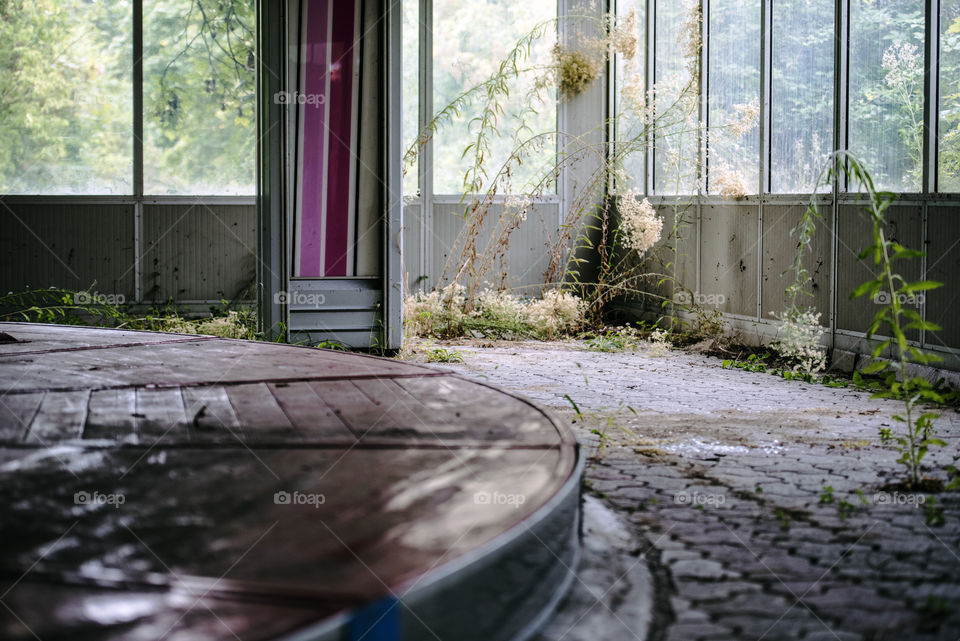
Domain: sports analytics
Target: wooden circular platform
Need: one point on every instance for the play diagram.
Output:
(162, 486)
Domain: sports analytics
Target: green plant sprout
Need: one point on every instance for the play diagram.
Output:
(890, 290)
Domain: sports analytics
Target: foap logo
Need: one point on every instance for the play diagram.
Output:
(96, 298)
(96, 498)
(300, 299)
(298, 98)
(696, 298)
(299, 498)
(885, 298)
(698, 499)
(499, 498)
(899, 498)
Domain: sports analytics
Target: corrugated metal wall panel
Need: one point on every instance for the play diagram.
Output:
(370, 204)
(68, 245)
(943, 265)
(855, 234)
(659, 261)
(198, 252)
(345, 310)
(528, 252)
(411, 255)
(779, 252)
(728, 255)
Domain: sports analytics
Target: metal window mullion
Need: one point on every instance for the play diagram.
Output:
(137, 148)
(649, 79)
(703, 110)
(841, 88)
(425, 168)
(763, 178)
(841, 53)
(931, 140)
(562, 121)
(703, 119)
(766, 75)
(931, 103)
(610, 115)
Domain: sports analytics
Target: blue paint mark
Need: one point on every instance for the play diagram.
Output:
(377, 621)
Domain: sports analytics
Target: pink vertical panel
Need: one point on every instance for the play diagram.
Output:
(313, 152)
(328, 119)
(340, 172)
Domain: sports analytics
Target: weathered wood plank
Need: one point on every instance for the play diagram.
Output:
(457, 408)
(389, 410)
(259, 413)
(112, 414)
(160, 413)
(61, 416)
(210, 414)
(188, 363)
(307, 412)
(16, 414)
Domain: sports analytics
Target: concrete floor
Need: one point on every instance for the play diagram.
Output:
(724, 504)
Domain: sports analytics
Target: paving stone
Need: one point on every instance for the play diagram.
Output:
(769, 447)
(697, 632)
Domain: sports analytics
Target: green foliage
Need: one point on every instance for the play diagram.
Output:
(889, 290)
(66, 307)
(199, 96)
(619, 339)
(443, 355)
(65, 118)
(935, 516)
(753, 363)
(66, 107)
(826, 496)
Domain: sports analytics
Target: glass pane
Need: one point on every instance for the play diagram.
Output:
(949, 150)
(199, 95)
(631, 95)
(471, 39)
(675, 142)
(733, 143)
(411, 90)
(886, 90)
(802, 93)
(66, 124)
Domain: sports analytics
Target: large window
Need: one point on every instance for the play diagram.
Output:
(949, 152)
(632, 95)
(199, 97)
(470, 39)
(676, 77)
(733, 143)
(67, 116)
(886, 90)
(802, 89)
(410, 89)
(65, 97)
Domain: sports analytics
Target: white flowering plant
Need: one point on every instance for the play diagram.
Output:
(446, 313)
(798, 342)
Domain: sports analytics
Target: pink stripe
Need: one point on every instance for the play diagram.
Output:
(313, 154)
(341, 143)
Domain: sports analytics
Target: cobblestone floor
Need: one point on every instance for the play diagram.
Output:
(722, 475)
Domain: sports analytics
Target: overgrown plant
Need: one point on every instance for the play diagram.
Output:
(610, 237)
(87, 307)
(445, 313)
(892, 353)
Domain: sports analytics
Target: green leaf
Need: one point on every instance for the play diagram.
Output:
(868, 286)
(921, 285)
(879, 348)
(874, 367)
